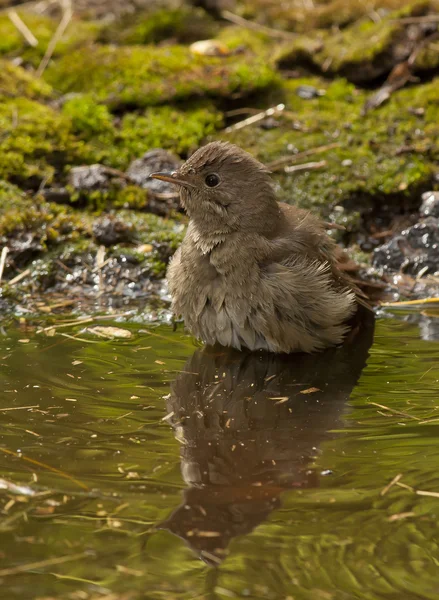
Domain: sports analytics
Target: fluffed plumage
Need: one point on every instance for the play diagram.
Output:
(253, 272)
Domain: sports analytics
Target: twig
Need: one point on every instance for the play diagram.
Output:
(280, 162)
(256, 118)
(395, 412)
(410, 302)
(23, 28)
(102, 265)
(425, 493)
(68, 324)
(76, 338)
(305, 166)
(410, 20)
(3, 261)
(66, 18)
(399, 516)
(100, 261)
(45, 466)
(19, 407)
(405, 486)
(391, 484)
(19, 277)
(58, 560)
(229, 16)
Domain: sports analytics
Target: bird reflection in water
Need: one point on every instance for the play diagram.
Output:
(250, 425)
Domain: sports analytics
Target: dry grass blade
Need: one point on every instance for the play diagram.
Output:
(425, 493)
(399, 516)
(68, 324)
(48, 467)
(23, 28)
(19, 407)
(305, 166)
(391, 484)
(412, 20)
(281, 162)
(3, 256)
(65, 20)
(274, 110)
(395, 412)
(58, 560)
(19, 277)
(237, 20)
(403, 303)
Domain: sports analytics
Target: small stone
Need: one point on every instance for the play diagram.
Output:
(209, 48)
(415, 251)
(88, 178)
(347, 162)
(163, 197)
(269, 123)
(152, 162)
(430, 204)
(308, 92)
(108, 230)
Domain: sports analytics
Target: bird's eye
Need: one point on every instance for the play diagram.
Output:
(212, 180)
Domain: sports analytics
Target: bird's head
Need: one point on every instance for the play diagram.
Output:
(224, 187)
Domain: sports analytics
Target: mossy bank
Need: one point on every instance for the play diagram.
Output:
(113, 91)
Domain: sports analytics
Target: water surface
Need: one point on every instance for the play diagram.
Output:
(153, 468)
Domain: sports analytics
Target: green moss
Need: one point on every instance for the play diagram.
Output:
(303, 17)
(370, 159)
(43, 28)
(11, 197)
(238, 39)
(183, 24)
(35, 142)
(163, 127)
(15, 81)
(88, 117)
(131, 196)
(48, 223)
(147, 75)
(427, 58)
(361, 52)
(166, 127)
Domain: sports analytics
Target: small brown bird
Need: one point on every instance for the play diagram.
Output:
(253, 272)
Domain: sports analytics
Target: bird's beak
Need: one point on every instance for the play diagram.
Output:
(170, 178)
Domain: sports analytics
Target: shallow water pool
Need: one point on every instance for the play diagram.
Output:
(149, 467)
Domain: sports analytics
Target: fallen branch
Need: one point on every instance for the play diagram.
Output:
(19, 277)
